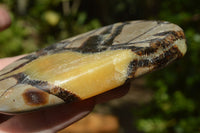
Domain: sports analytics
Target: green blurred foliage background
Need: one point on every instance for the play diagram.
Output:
(175, 107)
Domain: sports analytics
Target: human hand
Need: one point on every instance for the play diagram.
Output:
(54, 118)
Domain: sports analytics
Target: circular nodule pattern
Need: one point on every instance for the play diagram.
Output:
(35, 97)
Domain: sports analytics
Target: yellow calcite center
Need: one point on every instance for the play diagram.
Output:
(85, 75)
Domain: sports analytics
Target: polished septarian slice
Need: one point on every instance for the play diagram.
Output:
(89, 64)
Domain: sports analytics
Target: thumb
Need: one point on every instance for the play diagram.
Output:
(5, 19)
